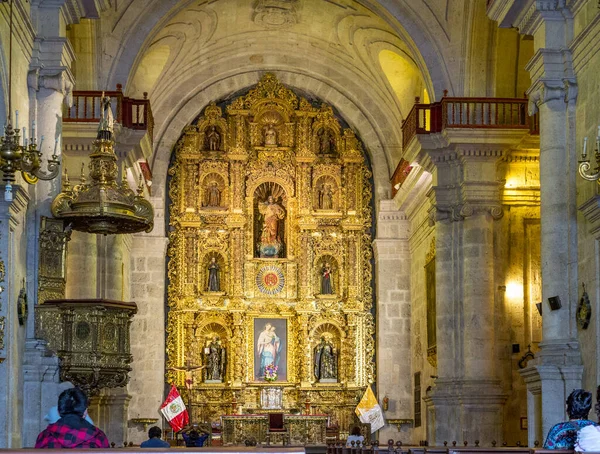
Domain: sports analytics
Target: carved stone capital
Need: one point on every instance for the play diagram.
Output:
(544, 91)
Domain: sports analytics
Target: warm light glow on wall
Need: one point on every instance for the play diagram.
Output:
(511, 183)
(404, 77)
(514, 290)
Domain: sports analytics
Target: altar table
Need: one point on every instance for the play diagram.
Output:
(303, 429)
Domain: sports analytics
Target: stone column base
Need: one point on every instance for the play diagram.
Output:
(548, 387)
(465, 410)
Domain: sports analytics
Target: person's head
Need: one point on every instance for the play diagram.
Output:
(270, 199)
(579, 404)
(356, 430)
(154, 432)
(267, 326)
(72, 401)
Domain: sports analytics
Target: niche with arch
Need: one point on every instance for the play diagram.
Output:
(214, 192)
(270, 219)
(214, 273)
(326, 276)
(212, 339)
(326, 343)
(326, 194)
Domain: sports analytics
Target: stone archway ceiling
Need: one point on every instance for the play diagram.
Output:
(171, 48)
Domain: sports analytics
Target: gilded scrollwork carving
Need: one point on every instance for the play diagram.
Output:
(275, 224)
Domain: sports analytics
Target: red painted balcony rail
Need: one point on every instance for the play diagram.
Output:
(475, 113)
(130, 113)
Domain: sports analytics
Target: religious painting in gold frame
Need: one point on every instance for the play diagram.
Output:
(270, 335)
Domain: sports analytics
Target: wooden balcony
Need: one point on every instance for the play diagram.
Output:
(472, 113)
(128, 112)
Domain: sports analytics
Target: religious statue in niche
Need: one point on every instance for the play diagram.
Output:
(270, 134)
(214, 281)
(325, 197)
(273, 214)
(215, 356)
(213, 139)
(326, 279)
(213, 196)
(325, 357)
(326, 142)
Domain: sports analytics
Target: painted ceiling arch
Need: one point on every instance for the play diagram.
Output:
(133, 24)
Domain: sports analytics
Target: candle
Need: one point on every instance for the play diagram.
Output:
(25, 135)
(55, 147)
(584, 153)
(16, 119)
(41, 143)
(33, 131)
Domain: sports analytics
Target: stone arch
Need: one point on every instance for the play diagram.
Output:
(139, 28)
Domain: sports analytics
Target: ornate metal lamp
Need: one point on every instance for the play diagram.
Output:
(103, 205)
(584, 164)
(25, 158)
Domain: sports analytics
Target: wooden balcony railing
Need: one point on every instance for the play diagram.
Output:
(474, 113)
(130, 113)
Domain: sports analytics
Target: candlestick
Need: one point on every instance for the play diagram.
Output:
(584, 153)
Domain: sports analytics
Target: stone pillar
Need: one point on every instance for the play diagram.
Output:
(557, 368)
(111, 267)
(558, 364)
(12, 334)
(41, 388)
(392, 268)
(466, 402)
(147, 383)
(82, 259)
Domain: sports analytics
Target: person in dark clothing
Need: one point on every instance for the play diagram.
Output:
(154, 440)
(194, 438)
(72, 430)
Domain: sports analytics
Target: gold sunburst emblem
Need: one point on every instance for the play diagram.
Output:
(270, 279)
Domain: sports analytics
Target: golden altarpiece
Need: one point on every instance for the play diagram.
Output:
(270, 258)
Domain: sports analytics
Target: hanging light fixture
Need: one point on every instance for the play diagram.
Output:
(14, 156)
(102, 205)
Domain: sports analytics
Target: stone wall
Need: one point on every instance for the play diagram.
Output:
(147, 383)
(392, 269)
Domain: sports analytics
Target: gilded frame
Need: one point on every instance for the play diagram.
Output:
(251, 349)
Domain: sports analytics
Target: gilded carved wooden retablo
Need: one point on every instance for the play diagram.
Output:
(270, 251)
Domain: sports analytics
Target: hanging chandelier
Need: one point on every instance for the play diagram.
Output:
(103, 205)
(14, 156)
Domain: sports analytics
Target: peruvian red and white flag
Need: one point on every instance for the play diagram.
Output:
(174, 411)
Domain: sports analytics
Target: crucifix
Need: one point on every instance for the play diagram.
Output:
(189, 378)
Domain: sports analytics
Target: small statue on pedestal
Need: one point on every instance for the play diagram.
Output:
(326, 280)
(213, 139)
(270, 136)
(214, 282)
(326, 370)
(215, 359)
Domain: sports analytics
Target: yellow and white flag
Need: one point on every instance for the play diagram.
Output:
(369, 411)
